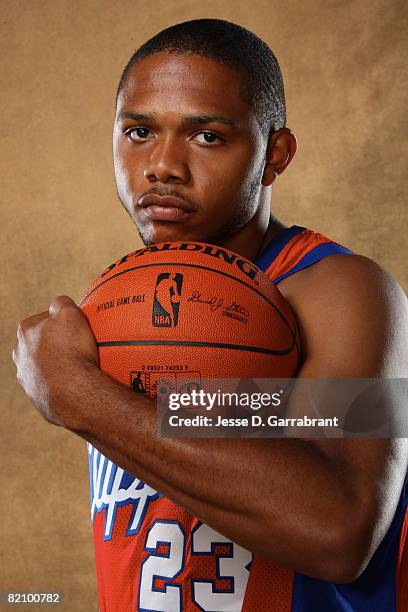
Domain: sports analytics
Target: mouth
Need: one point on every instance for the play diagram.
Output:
(165, 208)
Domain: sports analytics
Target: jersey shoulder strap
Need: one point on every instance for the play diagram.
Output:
(294, 249)
(402, 560)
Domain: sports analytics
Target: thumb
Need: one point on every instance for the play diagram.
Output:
(59, 303)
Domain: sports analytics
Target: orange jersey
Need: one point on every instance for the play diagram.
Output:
(154, 556)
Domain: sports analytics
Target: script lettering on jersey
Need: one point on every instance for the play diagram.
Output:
(112, 487)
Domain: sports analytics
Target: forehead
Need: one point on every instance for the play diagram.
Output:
(184, 82)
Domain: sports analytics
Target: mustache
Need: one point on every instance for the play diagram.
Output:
(169, 191)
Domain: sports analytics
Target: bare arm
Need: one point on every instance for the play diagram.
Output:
(320, 507)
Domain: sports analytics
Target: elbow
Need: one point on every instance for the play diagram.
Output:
(339, 555)
(345, 570)
(349, 553)
(335, 549)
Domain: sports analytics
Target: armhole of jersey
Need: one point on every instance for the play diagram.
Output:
(295, 249)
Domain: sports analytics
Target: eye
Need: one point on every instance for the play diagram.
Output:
(137, 134)
(208, 138)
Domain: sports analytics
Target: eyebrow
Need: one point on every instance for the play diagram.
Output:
(191, 119)
(202, 119)
(136, 116)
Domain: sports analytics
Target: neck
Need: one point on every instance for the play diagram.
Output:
(251, 240)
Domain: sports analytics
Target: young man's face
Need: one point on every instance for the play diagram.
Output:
(183, 132)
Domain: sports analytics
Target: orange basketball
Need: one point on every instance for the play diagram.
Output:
(185, 311)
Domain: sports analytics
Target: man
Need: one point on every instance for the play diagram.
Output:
(305, 525)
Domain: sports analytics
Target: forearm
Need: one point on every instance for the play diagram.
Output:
(279, 498)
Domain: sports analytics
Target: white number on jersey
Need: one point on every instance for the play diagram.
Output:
(232, 566)
(162, 566)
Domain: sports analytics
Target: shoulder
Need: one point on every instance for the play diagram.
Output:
(346, 273)
(352, 303)
(347, 277)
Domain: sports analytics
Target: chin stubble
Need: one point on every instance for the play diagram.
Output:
(241, 217)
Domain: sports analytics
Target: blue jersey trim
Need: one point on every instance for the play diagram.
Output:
(276, 245)
(313, 256)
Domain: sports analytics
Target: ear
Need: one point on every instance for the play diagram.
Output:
(281, 148)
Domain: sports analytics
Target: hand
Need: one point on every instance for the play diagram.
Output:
(52, 350)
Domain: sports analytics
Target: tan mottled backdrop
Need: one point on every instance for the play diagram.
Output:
(343, 64)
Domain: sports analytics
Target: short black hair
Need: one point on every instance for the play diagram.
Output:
(234, 46)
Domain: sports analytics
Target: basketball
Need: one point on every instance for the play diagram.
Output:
(183, 311)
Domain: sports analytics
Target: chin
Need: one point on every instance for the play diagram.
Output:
(154, 233)
(167, 233)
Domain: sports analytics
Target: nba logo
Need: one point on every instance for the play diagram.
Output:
(166, 303)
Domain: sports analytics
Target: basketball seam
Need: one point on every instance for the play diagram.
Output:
(221, 345)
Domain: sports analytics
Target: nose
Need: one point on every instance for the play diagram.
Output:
(167, 163)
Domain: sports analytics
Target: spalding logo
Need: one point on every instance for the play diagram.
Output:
(166, 303)
(246, 267)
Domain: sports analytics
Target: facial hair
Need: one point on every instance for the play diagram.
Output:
(243, 214)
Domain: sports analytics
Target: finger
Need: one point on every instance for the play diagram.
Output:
(40, 315)
(60, 302)
(26, 324)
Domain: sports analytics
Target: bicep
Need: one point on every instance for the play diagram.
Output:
(354, 325)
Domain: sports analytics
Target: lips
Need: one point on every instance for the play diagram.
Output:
(165, 208)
